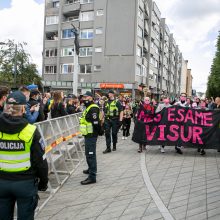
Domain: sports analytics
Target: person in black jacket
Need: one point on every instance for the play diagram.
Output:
(23, 165)
(58, 108)
(90, 129)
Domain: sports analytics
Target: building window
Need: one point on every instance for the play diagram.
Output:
(67, 68)
(85, 68)
(140, 32)
(86, 34)
(138, 51)
(85, 51)
(86, 1)
(67, 52)
(56, 4)
(99, 12)
(52, 20)
(98, 49)
(97, 68)
(87, 16)
(98, 30)
(50, 69)
(71, 1)
(138, 70)
(52, 52)
(71, 18)
(67, 33)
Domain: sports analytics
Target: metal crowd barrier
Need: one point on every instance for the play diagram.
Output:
(64, 151)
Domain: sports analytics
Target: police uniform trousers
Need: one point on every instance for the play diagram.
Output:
(24, 192)
(90, 152)
(111, 132)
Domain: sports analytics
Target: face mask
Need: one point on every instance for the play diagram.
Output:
(86, 102)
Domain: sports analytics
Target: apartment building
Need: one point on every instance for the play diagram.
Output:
(121, 42)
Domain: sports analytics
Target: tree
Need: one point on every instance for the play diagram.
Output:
(15, 66)
(213, 85)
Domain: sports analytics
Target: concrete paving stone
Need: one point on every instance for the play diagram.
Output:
(214, 212)
(196, 211)
(213, 199)
(197, 198)
(120, 208)
(213, 205)
(216, 217)
(196, 204)
(179, 198)
(173, 205)
(136, 211)
(213, 189)
(154, 216)
(200, 216)
(196, 188)
(144, 202)
(178, 216)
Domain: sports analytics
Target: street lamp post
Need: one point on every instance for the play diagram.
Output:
(76, 60)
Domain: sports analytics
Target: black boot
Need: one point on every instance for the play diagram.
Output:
(107, 150)
(202, 152)
(88, 181)
(178, 150)
(114, 147)
(140, 148)
(86, 171)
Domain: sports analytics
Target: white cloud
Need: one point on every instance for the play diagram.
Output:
(195, 25)
(23, 22)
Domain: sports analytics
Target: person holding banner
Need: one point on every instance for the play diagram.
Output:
(183, 103)
(161, 106)
(23, 164)
(145, 112)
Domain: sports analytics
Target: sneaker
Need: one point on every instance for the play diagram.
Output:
(126, 138)
(162, 150)
(123, 138)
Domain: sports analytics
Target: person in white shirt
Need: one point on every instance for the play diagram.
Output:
(161, 106)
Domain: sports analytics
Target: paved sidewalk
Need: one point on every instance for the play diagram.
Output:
(188, 186)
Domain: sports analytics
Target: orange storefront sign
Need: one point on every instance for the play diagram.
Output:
(111, 86)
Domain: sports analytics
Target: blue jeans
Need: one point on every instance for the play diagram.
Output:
(23, 192)
(90, 151)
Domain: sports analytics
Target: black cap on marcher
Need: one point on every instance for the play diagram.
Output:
(111, 91)
(16, 98)
(72, 96)
(88, 93)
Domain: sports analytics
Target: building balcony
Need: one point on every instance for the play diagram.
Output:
(71, 9)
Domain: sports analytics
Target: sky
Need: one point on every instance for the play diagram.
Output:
(195, 25)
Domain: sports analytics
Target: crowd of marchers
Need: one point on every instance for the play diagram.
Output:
(23, 164)
(149, 107)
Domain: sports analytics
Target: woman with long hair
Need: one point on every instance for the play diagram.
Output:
(58, 108)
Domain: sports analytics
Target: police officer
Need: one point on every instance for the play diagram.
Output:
(23, 167)
(90, 128)
(113, 121)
